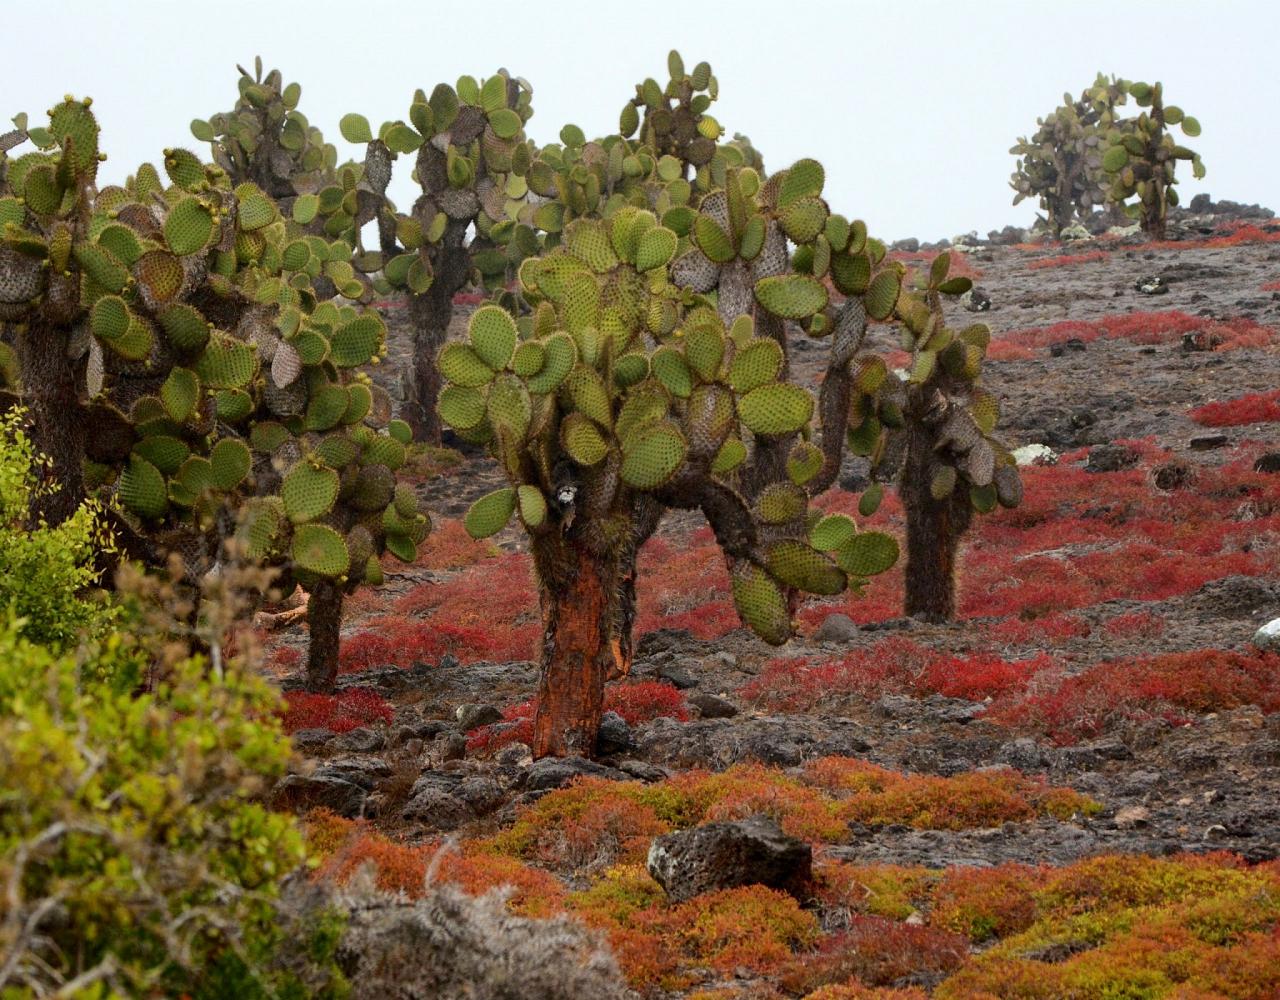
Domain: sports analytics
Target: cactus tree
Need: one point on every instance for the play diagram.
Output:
(1141, 158)
(1061, 164)
(470, 156)
(177, 357)
(650, 372)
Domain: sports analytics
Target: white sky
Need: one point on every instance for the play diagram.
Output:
(912, 107)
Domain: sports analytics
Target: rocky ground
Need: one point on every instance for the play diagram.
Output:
(1206, 781)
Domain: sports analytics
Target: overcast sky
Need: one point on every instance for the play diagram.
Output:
(912, 107)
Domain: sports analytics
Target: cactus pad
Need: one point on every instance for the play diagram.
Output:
(796, 565)
(142, 489)
(318, 549)
(779, 408)
(791, 296)
(308, 491)
(493, 336)
(867, 554)
(490, 514)
(652, 455)
(760, 602)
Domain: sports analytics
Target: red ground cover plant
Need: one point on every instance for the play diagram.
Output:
(1271, 286)
(1052, 628)
(1252, 408)
(399, 642)
(340, 713)
(450, 547)
(635, 701)
(1067, 260)
(1145, 328)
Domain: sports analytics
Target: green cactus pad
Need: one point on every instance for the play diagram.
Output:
(137, 342)
(804, 462)
(704, 350)
(672, 370)
(166, 453)
(337, 450)
(462, 408)
(490, 514)
(528, 359)
(582, 440)
(231, 461)
(256, 210)
(804, 179)
(308, 491)
(630, 369)
(509, 407)
(588, 240)
(462, 366)
(869, 502)
(374, 488)
(712, 240)
(355, 343)
(188, 227)
(102, 267)
(185, 327)
(655, 248)
(731, 455)
(850, 273)
(867, 554)
(326, 407)
(882, 294)
(651, 456)
(122, 242)
(232, 405)
(561, 354)
(401, 431)
(142, 489)
(760, 602)
(758, 363)
(261, 527)
(318, 549)
(832, 532)
(268, 435)
(405, 500)
(589, 395)
(781, 503)
(791, 296)
(226, 363)
(109, 318)
(983, 499)
(532, 505)
(796, 565)
(779, 408)
(493, 336)
(803, 220)
(359, 404)
(943, 482)
(384, 450)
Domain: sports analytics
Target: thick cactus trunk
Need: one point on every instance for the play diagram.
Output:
(430, 314)
(934, 529)
(57, 421)
(587, 612)
(324, 618)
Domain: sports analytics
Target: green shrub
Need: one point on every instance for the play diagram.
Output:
(46, 573)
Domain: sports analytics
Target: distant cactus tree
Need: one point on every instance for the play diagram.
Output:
(1141, 158)
(470, 158)
(1061, 163)
(177, 360)
(939, 424)
(650, 372)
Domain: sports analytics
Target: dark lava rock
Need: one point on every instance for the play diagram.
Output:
(474, 716)
(1007, 236)
(1111, 458)
(711, 707)
(615, 735)
(480, 792)
(1269, 463)
(1151, 286)
(1172, 476)
(1236, 596)
(977, 300)
(836, 628)
(1208, 442)
(752, 851)
(909, 245)
(555, 772)
(1023, 755)
(434, 801)
(364, 770)
(676, 675)
(453, 746)
(299, 793)
(362, 740)
(311, 739)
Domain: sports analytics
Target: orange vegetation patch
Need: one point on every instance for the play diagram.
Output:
(1165, 327)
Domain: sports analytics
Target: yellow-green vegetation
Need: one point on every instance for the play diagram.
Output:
(135, 854)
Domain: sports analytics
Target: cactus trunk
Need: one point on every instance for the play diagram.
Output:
(58, 426)
(934, 529)
(430, 314)
(587, 609)
(324, 619)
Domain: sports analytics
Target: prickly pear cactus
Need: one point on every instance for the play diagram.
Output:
(471, 158)
(172, 336)
(265, 139)
(1141, 158)
(1061, 163)
(933, 426)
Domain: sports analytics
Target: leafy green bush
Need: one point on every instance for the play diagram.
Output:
(46, 573)
(136, 856)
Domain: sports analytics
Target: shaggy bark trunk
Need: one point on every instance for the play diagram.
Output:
(587, 610)
(324, 618)
(58, 430)
(430, 314)
(934, 529)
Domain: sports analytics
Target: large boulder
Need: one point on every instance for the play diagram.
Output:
(751, 851)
